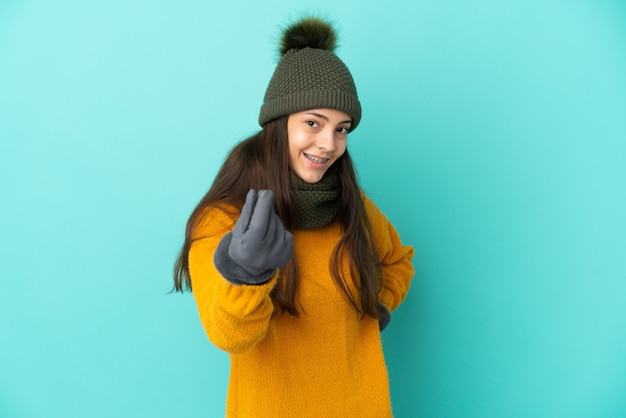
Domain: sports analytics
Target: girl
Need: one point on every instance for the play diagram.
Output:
(293, 269)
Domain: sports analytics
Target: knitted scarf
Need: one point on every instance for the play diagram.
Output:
(316, 204)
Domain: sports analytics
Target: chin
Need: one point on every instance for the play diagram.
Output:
(311, 179)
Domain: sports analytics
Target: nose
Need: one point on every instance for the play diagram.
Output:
(326, 140)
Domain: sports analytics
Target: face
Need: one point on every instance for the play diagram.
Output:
(317, 138)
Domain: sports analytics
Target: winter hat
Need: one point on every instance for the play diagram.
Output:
(309, 75)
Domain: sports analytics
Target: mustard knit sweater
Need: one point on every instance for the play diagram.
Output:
(327, 362)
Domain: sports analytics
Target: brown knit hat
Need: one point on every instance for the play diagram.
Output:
(309, 75)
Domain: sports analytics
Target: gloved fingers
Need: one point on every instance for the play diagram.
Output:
(286, 248)
(272, 229)
(263, 242)
(263, 211)
(287, 238)
(242, 224)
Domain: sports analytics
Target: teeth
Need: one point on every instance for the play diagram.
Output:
(316, 160)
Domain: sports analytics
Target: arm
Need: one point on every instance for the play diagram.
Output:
(235, 317)
(395, 257)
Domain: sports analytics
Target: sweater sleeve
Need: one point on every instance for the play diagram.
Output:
(235, 317)
(395, 257)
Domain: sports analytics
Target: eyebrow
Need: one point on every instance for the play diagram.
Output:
(319, 115)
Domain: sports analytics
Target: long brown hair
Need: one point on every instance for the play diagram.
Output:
(262, 162)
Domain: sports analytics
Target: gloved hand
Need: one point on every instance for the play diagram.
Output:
(258, 245)
(384, 317)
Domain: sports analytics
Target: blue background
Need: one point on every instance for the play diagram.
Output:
(493, 136)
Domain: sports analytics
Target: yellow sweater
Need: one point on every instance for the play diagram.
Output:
(327, 363)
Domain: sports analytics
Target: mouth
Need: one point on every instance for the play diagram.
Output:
(316, 160)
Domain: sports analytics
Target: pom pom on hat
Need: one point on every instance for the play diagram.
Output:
(309, 32)
(309, 75)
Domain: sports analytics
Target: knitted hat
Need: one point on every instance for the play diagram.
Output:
(309, 75)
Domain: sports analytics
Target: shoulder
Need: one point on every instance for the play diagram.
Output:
(374, 214)
(381, 228)
(215, 220)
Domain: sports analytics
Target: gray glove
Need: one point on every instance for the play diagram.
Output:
(258, 245)
(384, 317)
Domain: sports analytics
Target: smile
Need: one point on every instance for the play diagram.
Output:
(316, 160)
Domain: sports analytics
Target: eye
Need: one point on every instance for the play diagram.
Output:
(312, 123)
(343, 130)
